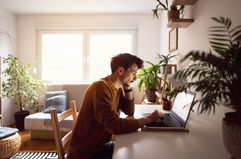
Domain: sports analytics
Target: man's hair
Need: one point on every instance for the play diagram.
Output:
(125, 60)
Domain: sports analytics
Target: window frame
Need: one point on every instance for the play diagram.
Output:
(86, 37)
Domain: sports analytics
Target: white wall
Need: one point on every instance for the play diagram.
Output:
(195, 38)
(148, 30)
(8, 25)
(8, 45)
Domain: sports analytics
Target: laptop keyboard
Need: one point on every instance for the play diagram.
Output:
(167, 121)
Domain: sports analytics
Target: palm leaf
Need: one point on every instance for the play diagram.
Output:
(216, 76)
(219, 20)
(218, 39)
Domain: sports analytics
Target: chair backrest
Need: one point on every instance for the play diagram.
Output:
(56, 119)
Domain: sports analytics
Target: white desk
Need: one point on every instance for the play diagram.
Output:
(203, 141)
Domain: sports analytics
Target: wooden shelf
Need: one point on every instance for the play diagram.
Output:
(184, 2)
(179, 23)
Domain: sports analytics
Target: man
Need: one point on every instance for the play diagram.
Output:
(99, 117)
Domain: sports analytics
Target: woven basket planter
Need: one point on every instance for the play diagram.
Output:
(9, 146)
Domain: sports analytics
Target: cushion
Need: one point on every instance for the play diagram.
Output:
(56, 99)
(6, 131)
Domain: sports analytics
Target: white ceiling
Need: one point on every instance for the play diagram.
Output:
(77, 6)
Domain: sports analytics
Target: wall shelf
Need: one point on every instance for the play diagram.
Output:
(184, 2)
(179, 23)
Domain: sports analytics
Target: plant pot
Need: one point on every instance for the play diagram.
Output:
(231, 125)
(151, 95)
(166, 105)
(173, 14)
(19, 119)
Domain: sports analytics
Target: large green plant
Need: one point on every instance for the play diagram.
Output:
(20, 85)
(216, 74)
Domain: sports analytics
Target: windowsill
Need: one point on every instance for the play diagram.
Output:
(51, 84)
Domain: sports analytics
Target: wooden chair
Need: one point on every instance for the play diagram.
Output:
(56, 119)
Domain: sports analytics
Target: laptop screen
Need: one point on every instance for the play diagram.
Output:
(182, 104)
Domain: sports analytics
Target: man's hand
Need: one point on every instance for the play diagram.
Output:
(127, 86)
(155, 115)
(128, 91)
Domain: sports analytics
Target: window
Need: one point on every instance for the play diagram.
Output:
(61, 54)
(81, 57)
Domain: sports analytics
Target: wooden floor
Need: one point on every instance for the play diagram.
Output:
(35, 145)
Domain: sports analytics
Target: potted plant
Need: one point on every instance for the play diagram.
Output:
(173, 12)
(166, 87)
(149, 79)
(216, 75)
(20, 86)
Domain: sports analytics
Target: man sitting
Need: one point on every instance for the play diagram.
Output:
(99, 117)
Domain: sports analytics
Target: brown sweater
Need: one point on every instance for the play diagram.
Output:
(99, 118)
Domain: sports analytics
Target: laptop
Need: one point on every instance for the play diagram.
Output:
(177, 119)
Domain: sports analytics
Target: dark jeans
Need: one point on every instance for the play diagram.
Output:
(106, 153)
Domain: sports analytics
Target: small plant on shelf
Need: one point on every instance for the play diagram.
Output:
(173, 10)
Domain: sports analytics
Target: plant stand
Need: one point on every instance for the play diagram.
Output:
(167, 69)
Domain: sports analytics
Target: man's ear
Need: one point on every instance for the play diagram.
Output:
(121, 70)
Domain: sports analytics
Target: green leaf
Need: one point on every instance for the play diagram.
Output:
(19, 84)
